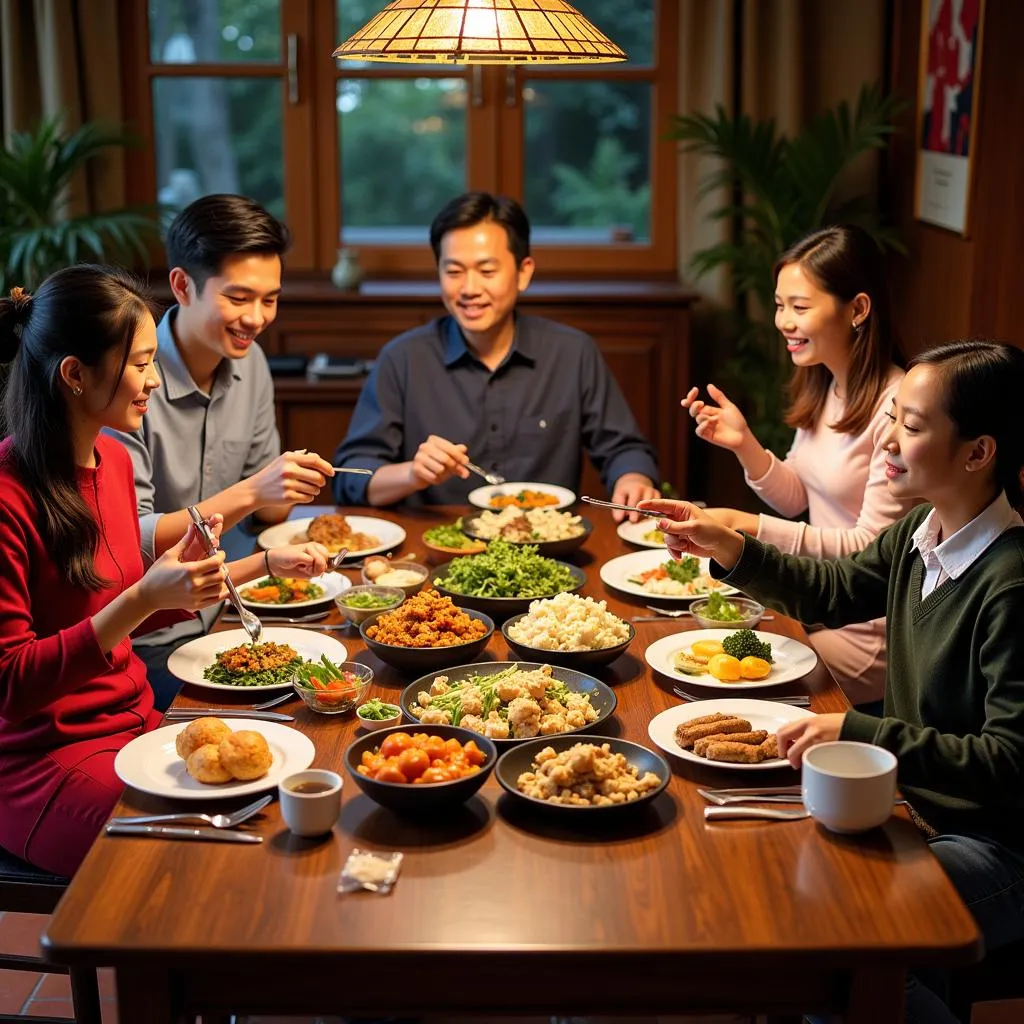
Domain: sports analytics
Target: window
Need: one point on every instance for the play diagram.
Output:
(241, 95)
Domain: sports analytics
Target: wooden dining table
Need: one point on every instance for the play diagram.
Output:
(500, 910)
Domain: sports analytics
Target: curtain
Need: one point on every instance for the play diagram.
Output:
(61, 57)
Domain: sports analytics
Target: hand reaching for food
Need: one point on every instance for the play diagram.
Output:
(293, 478)
(302, 561)
(437, 460)
(689, 530)
(630, 489)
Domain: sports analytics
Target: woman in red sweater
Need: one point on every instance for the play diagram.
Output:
(72, 585)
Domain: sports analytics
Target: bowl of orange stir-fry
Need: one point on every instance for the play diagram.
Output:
(522, 494)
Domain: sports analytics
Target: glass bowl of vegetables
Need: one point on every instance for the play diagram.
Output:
(716, 611)
(358, 603)
(332, 688)
(378, 714)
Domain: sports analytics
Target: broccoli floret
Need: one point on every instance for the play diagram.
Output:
(744, 643)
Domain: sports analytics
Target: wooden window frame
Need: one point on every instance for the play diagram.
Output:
(495, 140)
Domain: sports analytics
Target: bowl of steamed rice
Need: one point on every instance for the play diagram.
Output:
(569, 630)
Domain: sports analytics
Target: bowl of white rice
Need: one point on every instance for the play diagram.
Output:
(569, 630)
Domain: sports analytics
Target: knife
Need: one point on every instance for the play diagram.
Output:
(168, 832)
(180, 714)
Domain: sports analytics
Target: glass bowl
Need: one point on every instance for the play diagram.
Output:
(339, 695)
(750, 613)
(394, 595)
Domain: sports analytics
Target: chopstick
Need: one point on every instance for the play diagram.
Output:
(624, 508)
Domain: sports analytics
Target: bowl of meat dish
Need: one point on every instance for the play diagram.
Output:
(717, 612)
(509, 701)
(552, 531)
(448, 541)
(421, 769)
(505, 579)
(360, 603)
(426, 633)
(404, 575)
(582, 777)
(569, 630)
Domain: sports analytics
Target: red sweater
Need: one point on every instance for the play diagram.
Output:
(56, 685)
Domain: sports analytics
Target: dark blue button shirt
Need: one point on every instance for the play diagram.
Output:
(527, 419)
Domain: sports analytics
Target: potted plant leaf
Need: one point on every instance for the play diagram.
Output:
(777, 190)
(37, 236)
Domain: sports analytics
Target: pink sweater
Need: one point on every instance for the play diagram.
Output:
(839, 480)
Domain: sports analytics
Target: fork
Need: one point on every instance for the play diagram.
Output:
(797, 700)
(494, 479)
(334, 562)
(216, 820)
(771, 813)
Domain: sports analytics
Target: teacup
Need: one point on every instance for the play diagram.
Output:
(310, 801)
(849, 787)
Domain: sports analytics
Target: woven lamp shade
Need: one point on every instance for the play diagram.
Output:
(480, 32)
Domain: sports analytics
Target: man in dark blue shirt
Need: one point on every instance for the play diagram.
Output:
(520, 395)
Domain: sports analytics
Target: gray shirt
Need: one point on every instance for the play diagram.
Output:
(529, 418)
(192, 445)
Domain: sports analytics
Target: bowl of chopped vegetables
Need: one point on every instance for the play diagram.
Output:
(504, 579)
(359, 603)
(332, 688)
(446, 542)
(378, 714)
(715, 611)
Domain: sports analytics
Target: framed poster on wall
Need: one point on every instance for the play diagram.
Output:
(950, 65)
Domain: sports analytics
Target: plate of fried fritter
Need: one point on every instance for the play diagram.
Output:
(362, 535)
(729, 733)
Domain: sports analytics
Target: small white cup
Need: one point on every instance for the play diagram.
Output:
(310, 813)
(849, 787)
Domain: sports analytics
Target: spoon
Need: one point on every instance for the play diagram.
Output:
(494, 479)
(216, 820)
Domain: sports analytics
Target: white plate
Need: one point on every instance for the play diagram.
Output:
(791, 659)
(634, 533)
(293, 531)
(616, 573)
(762, 714)
(150, 763)
(481, 496)
(189, 660)
(333, 583)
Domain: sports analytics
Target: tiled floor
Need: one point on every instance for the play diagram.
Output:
(42, 995)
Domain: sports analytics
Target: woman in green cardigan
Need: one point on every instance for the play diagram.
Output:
(949, 578)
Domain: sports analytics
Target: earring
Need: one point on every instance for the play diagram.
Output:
(76, 391)
(855, 324)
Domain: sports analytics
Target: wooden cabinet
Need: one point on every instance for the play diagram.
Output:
(642, 330)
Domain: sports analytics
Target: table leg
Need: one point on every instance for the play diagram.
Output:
(876, 996)
(144, 996)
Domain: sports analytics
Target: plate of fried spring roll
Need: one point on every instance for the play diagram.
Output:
(727, 733)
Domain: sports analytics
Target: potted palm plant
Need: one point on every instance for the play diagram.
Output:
(37, 236)
(777, 190)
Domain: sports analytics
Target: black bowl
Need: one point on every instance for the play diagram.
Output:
(602, 696)
(548, 548)
(499, 608)
(580, 660)
(426, 659)
(407, 798)
(519, 759)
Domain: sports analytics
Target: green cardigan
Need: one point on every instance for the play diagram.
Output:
(954, 695)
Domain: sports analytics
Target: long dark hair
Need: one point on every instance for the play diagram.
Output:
(983, 383)
(83, 311)
(844, 261)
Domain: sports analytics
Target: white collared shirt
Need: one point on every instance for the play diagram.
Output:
(956, 554)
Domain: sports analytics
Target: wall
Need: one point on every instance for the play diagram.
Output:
(952, 286)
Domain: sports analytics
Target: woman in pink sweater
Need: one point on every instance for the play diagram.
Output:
(832, 309)
(72, 586)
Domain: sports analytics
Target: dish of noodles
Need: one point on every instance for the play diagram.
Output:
(362, 535)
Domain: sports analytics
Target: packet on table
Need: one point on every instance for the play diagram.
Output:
(372, 872)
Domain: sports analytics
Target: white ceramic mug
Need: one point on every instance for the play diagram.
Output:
(847, 786)
(311, 813)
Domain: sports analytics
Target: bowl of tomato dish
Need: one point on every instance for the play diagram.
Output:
(421, 769)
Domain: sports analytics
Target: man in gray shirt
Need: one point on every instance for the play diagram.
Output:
(210, 437)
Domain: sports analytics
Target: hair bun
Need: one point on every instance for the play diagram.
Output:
(21, 300)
